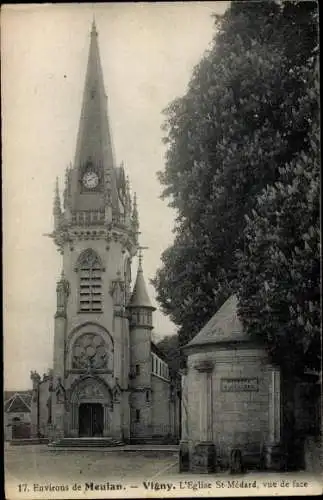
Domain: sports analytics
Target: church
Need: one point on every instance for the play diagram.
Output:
(108, 380)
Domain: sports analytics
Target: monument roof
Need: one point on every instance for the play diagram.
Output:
(224, 326)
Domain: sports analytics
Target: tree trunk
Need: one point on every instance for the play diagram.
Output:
(292, 441)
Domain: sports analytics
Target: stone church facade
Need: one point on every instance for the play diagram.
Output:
(108, 378)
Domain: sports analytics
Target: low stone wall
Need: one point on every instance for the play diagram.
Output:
(22, 442)
(313, 454)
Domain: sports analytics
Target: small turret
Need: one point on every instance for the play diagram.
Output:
(67, 187)
(128, 204)
(135, 217)
(62, 291)
(57, 209)
(35, 378)
(59, 232)
(140, 306)
(141, 325)
(128, 194)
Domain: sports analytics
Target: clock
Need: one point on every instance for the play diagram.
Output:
(90, 180)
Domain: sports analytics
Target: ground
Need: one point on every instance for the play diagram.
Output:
(39, 463)
(35, 470)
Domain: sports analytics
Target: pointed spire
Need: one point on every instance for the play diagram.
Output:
(94, 138)
(57, 210)
(135, 216)
(140, 257)
(94, 141)
(57, 200)
(140, 297)
(93, 28)
(65, 194)
(128, 194)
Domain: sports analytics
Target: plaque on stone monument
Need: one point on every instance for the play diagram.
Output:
(239, 384)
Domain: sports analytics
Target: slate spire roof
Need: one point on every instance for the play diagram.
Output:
(94, 139)
(140, 297)
(94, 123)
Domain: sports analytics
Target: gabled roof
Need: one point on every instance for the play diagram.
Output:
(17, 402)
(27, 394)
(27, 397)
(223, 327)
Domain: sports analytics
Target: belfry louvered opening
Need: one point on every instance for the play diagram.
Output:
(90, 282)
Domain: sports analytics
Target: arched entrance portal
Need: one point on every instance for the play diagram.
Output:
(90, 420)
(91, 406)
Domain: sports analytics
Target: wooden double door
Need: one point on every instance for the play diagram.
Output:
(91, 420)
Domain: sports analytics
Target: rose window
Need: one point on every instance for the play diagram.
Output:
(90, 352)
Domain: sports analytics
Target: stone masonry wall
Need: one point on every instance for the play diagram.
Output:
(43, 408)
(138, 401)
(161, 425)
(240, 418)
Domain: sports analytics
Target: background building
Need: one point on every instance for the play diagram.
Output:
(17, 411)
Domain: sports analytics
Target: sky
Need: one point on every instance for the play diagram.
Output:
(148, 52)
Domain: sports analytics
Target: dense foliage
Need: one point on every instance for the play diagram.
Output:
(170, 348)
(235, 142)
(279, 269)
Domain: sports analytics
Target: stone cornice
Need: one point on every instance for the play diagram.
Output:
(140, 389)
(221, 346)
(60, 314)
(204, 366)
(120, 313)
(139, 325)
(111, 233)
(83, 371)
(183, 371)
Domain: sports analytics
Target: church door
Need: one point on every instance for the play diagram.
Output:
(90, 420)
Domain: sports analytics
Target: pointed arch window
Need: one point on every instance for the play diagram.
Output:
(90, 269)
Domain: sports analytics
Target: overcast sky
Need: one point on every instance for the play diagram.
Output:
(148, 52)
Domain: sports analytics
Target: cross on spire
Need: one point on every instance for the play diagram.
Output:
(93, 29)
(140, 256)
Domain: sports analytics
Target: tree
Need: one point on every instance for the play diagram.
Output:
(242, 119)
(279, 268)
(170, 348)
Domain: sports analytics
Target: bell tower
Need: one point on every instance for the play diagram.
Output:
(95, 231)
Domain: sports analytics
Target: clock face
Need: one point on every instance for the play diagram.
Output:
(90, 180)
